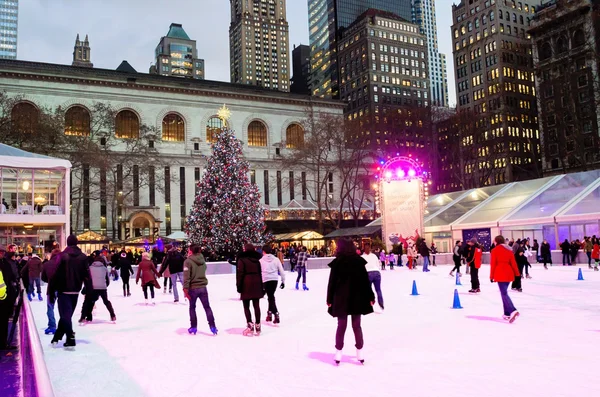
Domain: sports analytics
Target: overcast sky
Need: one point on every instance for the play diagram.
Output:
(131, 29)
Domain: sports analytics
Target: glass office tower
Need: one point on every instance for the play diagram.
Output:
(9, 16)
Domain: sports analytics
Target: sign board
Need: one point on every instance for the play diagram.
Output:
(402, 210)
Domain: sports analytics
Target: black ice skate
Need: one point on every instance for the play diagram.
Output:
(249, 331)
(269, 317)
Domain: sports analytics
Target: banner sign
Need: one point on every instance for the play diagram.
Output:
(402, 208)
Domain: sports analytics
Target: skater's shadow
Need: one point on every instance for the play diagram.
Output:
(486, 318)
(234, 299)
(328, 358)
(183, 331)
(235, 331)
(142, 304)
(99, 322)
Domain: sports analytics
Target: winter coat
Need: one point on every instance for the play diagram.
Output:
(3, 293)
(34, 265)
(469, 254)
(73, 270)
(456, 252)
(125, 267)
(249, 275)
(146, 271)
(349, 290)
(433, 249)
(423, 249)
(10, 280)
(596, 252)
(271, 268)
(565, 247)
(545, 251)
(174, 261)
(194, 272)
(99, 274)
(382, 256)
(588, 246)
(504, 267)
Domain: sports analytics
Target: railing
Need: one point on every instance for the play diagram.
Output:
(35, 379)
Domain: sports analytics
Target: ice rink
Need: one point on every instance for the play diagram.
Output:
(420, 346)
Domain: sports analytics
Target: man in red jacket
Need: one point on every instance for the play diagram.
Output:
(503, 271)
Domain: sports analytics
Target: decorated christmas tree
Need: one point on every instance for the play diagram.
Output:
(226, 213)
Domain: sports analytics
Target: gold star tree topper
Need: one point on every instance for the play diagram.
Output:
(224, 114)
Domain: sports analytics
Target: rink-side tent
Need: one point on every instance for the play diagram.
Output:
(554, 208)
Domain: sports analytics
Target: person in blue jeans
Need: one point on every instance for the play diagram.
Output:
(194, 287)
(48, 271)
(373, 266)
(566, 252)
(302, 260)
(174, 262)
(424, 252)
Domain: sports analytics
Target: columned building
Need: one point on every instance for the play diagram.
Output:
(171, 120)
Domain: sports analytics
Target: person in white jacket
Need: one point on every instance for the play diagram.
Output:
(272, 269)
(372, 267)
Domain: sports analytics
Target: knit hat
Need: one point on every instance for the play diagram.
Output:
(72, 240)
(474, 240)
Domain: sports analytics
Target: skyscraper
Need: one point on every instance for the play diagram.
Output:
(176, 55)
(424, 16)
(327, 20)
(9, 23)
(82, 53)
(301, 68)
(259, 44)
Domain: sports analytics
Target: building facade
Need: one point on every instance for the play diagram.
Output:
(176, 55)
(183, 116)
(82, 53)
(259, 44)
(424, 16)
(498, 137)
(384, 81)
(9, 28)
(566, 59)
(327, 19)
(301, 69)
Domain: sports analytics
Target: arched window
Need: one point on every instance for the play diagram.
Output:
(578, 38)
(25, 117)
(561, 45)
(500, 15)
(484, 19)
(294, 136)
(213, 127)
(476, 23)
(127, 125)
(545, 51)
(491, 15)
(470, 26)
(257, 134)
(173, 128)
(77, 121)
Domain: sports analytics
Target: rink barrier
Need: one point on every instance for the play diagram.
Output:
(35, 379)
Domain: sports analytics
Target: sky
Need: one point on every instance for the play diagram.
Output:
(130, 30)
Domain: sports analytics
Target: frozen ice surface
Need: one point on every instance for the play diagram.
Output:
(418, 347)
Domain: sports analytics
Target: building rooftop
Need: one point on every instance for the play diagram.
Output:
(126, 67)
(176, 31)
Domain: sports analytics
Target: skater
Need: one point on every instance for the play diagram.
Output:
(11, 292)
(33, 268)
(424, 252)
(100, 282)
(71, 273)
(527, 254)
(546, 254)
(194, 287)
(473, 254)
(588, 247)
(456, 258)
(566, 252)
(250, 286)
(411, 256)
(596, 254)
(174, 262)
(503, 271)
(433, 251)
(382, 258)
(301, 262)
(391, 260)
(48, 272)
(272, 269)
(373, 272)
(520, 259)
(147, 272)
(126, 272)
(349, 293)
(158, 257)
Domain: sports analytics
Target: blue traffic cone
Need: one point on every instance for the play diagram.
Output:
(458, 280)
(456, 304)
(580, 275)
(414, 289)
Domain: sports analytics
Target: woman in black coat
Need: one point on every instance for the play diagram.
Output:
(349, 293)
(546, 254)
(250, 286)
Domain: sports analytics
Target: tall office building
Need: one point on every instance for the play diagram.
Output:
(259, 44)
(176, 55)
(82, 53)
(498, 138)
(301, 68)
(424, 16)
(327, 20)
(9, 23)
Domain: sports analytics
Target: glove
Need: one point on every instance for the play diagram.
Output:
(372, 303)
(282, 286)
(186, 294)
(491, 280)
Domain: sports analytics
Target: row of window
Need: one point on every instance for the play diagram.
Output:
(25, 118)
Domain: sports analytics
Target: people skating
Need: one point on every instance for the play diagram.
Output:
(565, 248)
(301, 263)
(158, 257)
(71, 273)
(520, 260)
(126, 272)
(250, 286)
(527, 253)
(424, 252)
(349, 293)
(373, 272)
(391, 258)
(473, 254)
(33, 268)
(504, 270)
(174, 262)
(433, 250)
(272, 269)
(48, 271)
(99, 283)
(546, 254)
(148, 274)
(382, 259)
(588, 247)
(8, 303)
(411, 256)
(596, 254)
(536, 249)
(456, 257)
(195, 287)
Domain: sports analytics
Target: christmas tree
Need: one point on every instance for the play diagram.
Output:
(226, 213)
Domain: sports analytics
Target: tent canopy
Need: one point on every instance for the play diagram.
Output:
(17, 158)
(354, 232)
(296, 236)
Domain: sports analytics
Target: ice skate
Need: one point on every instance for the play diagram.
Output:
(595, 269)
(277, 320)
(50, 331)
(214, 330)
(505, 317)
(146, 301)
(29, 297)
(304, 287)
(359, 356)
(164, 291)
(338, 357)
(153, 303)
(124, 293)
(249, 331)
(257, 329)
(269, 317)
(297, 286)
(129, 294)
(192, 331)
(176, 301)
(70, 344)
(113, 319)
(451, 274)
(513, 316)
(81, 321)
(54, 343)
(40, 297)
(528, 276)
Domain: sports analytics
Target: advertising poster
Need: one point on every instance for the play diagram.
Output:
(483, 236)
(402, 211)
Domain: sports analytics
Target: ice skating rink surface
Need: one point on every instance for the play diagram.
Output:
(419, 346)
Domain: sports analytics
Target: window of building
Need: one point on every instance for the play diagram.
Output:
(127, 125)
(77, 121)
(213, 127)
(545, 51)
(582, 81)
(173, 128)
(257, 134)
(294, 136)
(25, 117)
(266, 186)
(578, 38)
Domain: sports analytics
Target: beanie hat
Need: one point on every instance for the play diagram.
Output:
(474, 240)
(72, 240)
(123, 255)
